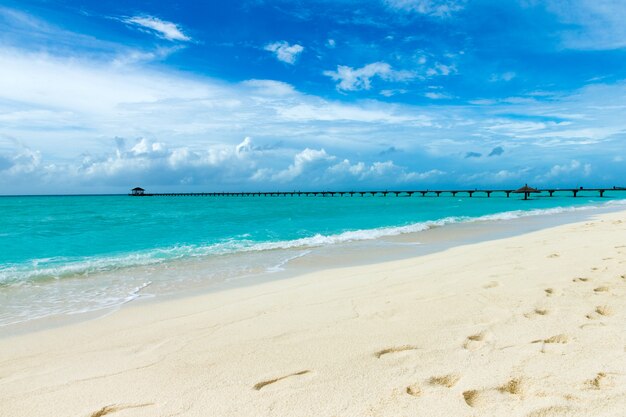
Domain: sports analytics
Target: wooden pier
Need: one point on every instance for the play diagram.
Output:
(546, 192)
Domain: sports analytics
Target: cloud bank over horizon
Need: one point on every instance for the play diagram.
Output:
(90, 102)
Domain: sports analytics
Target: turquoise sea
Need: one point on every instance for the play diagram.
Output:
(69, 254)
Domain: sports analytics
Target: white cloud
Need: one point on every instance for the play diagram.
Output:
(591, 24)
(505, 76)
(441, 70)
(331, 43)
(163, 29)
(436, 96)
(285, 52)
(438, 8)
(393, 92)
(270, 87)
(145, 147)
(301, 162)
(245, 146)
(380, 172)
(567, 169)
(351, 79)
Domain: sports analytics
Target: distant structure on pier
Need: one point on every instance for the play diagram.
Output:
(137, 191)
(526, 190)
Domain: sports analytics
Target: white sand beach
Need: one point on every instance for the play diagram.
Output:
(533, 326)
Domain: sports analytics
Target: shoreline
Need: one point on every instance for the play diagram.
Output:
(530, 325)
(302, 260)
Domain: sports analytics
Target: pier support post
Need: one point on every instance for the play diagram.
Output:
(602, 193)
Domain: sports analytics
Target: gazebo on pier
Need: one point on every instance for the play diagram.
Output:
(137, 191)
(526, 190)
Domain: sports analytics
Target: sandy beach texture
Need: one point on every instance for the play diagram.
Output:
(533, 325)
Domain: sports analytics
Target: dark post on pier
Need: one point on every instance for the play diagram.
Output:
(525, 190)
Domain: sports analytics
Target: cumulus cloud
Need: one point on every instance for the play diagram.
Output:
(25, 161)
(441, 70)
(352, 79)
(510, 176)
(574, 166)
(438, 8)
(285, 52)
(380, 172)
(161, 28)
(245, 146)
(302, 161)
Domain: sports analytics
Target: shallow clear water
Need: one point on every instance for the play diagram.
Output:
(48, 240)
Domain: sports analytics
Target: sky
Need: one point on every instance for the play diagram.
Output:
(102, 96)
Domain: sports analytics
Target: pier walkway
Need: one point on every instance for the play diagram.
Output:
(550, 192)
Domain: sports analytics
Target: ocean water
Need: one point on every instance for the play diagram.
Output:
(71, 254)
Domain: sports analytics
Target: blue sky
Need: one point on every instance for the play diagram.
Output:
(101, 96)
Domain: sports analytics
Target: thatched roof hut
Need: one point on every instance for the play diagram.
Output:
(526, 190)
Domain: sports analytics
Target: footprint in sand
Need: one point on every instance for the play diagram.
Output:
(604, 311)
(600, 381)
(515, 386)
(259, 385)
(395, 349)
(556, 339)
(581, 279)
(491, 284)
(554, 255)
(447, 381)
(476, 341)
(414, 390)
(537, 312)
(473, 398)
(108, 409)
(549, 292)
(601, 289)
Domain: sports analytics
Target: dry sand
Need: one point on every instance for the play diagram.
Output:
(533, 326)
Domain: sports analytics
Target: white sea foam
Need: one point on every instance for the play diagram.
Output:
(281, 265)
(55, 268)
